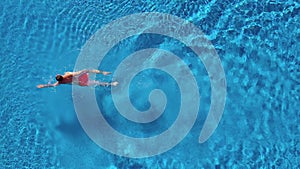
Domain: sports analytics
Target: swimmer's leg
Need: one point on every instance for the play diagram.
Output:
(100, 72)
(106, 84)
(92, 71)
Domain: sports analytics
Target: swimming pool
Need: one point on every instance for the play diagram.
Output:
(258, 45)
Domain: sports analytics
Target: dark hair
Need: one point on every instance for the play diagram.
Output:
(59, 78)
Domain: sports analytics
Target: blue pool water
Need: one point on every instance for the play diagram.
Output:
(257, 42)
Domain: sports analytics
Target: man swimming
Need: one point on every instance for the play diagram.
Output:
(80, 78)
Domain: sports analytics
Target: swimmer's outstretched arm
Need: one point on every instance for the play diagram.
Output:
(47, 85)
(92, 71)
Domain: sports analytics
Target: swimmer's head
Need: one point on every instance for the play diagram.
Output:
(59, 78)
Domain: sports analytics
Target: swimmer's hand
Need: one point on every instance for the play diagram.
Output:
(47, 85)
(40, 86)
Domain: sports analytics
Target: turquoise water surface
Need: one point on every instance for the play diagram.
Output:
(257, 42)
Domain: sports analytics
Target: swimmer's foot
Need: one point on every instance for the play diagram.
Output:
(106, 84)
(105, 73)
(102, 72)
(114, 83)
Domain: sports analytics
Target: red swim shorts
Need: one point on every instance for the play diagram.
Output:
(83, 79)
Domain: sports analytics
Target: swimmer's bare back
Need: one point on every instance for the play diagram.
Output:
(80, 78)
